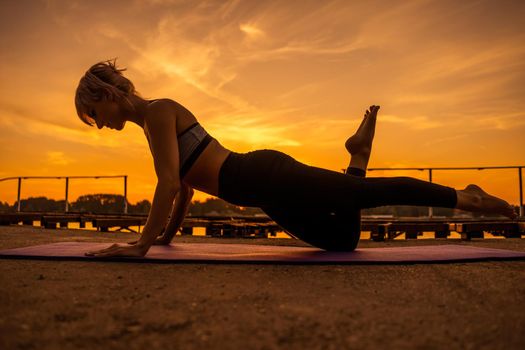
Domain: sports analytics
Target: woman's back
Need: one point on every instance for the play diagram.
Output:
(203, 173)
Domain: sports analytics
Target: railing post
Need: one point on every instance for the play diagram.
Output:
(19, 186)
(125, 194)
(67, 188)
(430, 209)
(521, 192)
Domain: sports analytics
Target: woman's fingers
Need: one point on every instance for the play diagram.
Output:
(106, 252)
(114, 245)
(118, 250)
(108, 249)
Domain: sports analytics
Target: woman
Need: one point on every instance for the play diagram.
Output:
(316, 205)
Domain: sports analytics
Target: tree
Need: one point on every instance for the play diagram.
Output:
(40, 204)
(99, 203)
(142, 207)
(217, 206)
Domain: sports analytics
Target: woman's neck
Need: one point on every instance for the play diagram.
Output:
(141, 109)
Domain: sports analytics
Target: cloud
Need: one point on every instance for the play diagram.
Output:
(51, 131)
(58, 158)
(421, 122)
(255, 136)
(500, 122)
(251, 31)
(447, 139)
(275, 73)
(295, 49)
(253, 130)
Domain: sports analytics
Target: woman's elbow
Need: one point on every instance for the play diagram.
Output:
(188, 190)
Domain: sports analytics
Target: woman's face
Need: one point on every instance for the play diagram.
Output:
(108, 114)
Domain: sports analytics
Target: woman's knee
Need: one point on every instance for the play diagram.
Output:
(341, 246)
(342, 241)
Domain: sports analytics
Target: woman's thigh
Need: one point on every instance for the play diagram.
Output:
(267, 178)
(330, 230)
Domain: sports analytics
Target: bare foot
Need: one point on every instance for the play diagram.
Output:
(473, 198)
(360, 144)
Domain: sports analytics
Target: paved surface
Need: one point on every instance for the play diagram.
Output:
(73, 304)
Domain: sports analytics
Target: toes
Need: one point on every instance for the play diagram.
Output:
(371, 109)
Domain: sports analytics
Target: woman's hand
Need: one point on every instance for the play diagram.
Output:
(160, 240)
(116, 249)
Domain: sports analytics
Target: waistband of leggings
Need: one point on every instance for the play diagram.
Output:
(226, 170)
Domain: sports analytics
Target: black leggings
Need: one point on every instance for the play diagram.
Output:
(319, 206)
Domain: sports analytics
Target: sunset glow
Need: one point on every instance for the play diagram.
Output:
(292, 76)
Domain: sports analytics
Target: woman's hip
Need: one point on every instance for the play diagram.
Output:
(248, 179)
(273, 178)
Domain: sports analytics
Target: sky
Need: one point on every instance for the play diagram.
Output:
(294, 76)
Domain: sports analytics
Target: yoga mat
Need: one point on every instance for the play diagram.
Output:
(251, 253)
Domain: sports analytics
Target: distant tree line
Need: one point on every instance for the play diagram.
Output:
(103, 203)
(91, 203)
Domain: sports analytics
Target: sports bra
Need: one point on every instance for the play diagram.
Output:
(192, 143)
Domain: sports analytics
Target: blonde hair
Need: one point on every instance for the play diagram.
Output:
(103, 81)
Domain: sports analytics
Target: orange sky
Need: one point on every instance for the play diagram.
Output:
(291, 76)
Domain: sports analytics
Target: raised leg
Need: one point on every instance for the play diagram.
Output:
(321, 207)
(359, 145)
(472, 198)
(335, 230)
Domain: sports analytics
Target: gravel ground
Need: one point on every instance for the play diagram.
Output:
(116, 305)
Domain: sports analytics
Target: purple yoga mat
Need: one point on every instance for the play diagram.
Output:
(251, 253)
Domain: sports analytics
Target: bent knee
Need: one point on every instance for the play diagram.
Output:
(348, 248)
(335, 246)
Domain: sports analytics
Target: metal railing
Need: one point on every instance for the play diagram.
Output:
(66, 206)
(430, 170)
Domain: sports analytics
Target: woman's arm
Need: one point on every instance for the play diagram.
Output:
(164, 145)
(158, 214)
(180, 209)
(162, 128)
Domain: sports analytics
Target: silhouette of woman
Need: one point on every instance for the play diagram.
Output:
(319, 206)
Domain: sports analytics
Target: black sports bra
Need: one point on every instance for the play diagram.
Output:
(192, 143)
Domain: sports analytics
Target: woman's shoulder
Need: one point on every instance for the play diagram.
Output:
(162, 103)
(166, 107)
(159, 110)
(169, 104)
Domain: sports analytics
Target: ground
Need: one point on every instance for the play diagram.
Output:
(116, 305)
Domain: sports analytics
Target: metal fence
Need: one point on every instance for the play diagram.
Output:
(430, 170)
(66, 206)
